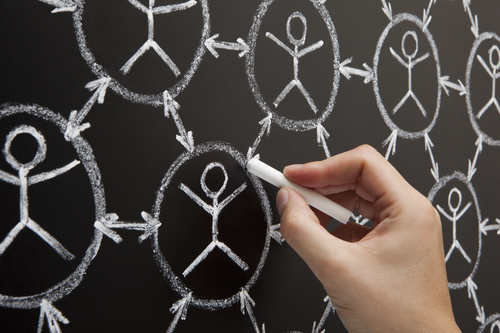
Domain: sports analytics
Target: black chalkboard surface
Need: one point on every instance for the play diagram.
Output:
(125, 126)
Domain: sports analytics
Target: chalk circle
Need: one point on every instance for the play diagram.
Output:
(483, 37)
(443, 181)
(284, 122)
(175, 281)
(86, 157)
(155, 100)
(41, 151)
(494, 320)
(399, 18)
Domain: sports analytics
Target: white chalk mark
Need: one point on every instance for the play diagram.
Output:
(276, 233)
(387, 9)
(171, 107)
(427, 17)
(329, 309)
(61, 5)
(454, 219)
(472, 166)
(428, 147)
(265, 129)
(214, 209)
(409, 65)
(24, 181)
(321, 136)
(445, 84)
(471, 289)
(151, 11)
(493, 227)
(348, 71)
(110, 222)
(246, 304)
(180, 309)
(53, 315)
(212, 45)
(495, 74)
(391, 143)
(473, 20)
(296, 54)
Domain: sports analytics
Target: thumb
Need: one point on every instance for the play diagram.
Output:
(303, 232)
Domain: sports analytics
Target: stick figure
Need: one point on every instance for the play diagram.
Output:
(23, 181)
(150, 43)
(454, 218)
(296, 54)
(409, 64)
(214, 210)
(494, 75)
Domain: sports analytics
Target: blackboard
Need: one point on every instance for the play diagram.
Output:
(125, 127)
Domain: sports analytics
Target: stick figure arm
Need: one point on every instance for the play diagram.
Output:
(280, 43)
(486, 67)
(139, 5)
(51, 174)
(197, 199)
(441, 210)
(311, 48)
(398, 58)
(232, 196)
(463, 210)
(174, 8)
(425, 56)
(7, 177)
(497, 75)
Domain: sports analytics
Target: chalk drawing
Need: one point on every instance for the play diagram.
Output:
(457, 211)
(45, 299)
(399, 18)
(214, 209)
(296, 54)
(283, 121)
(23, 181)
(493, 322)
(493, 72)
(155, 99)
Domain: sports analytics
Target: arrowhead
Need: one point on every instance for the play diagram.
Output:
(245, 47)
(370, 75)
(428, 142)
(53, 315)
(266, 123)
(209, 44)
(152, 224)
(463, 91)
(482, 226)
(72, 128)
(170, 105)
(105, 224)
(321, 134)
(245, 300)
(180, 307)
(276, 233)
(471, 171)
(187, 141)
(481, 317)
(100, 85)
(475, 27)
(343, 69)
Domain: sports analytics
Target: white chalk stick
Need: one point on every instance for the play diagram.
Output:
(314, 199)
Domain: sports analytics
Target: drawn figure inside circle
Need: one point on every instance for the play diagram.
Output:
(454, 218)
(150, 43)
(409, 63)
(296, 54)
(214, 209)
(495, 74)
(23, 181)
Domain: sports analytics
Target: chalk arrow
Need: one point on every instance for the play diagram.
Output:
(472, 166)
(348, 71)
(321, 136)
(212, 45)
(180, 309)
(151, 226)
(493, 227)
(445, 83)
(106, 224)
(246, 304)
(473, 19)
(471, 288)
(61, 5)
(53, 315)
(428, 147)
(73, 129)
(170, 108)
(265, 129)
(110, 222)
(391, 142)
(329, 308)
(387, 9)
(427, 17)
(100, 86)
(276, 233)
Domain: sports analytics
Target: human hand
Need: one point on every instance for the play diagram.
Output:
(390, 278)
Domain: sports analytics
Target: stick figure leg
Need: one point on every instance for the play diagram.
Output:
(285, 92)
(166, 58)
(128, 65)
(461, 249)
(486, 107)
(243, 265)
(10, 237)
(420, 106)
(400, 104)
(307, 96)
(199, 259)
(54, 243)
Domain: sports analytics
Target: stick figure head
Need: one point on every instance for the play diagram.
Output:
(403, 46)
(494, 49)
(40, 154)
(293, 40)
(211, 194)
(454, 209)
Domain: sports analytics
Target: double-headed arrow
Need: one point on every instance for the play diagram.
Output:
(110, 222)
(212, 45)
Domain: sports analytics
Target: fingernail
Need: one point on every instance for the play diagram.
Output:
(281, 200)
(293, 167)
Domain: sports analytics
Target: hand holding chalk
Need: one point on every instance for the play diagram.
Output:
(314, 199)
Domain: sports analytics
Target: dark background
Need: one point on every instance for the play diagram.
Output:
(134, 145)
